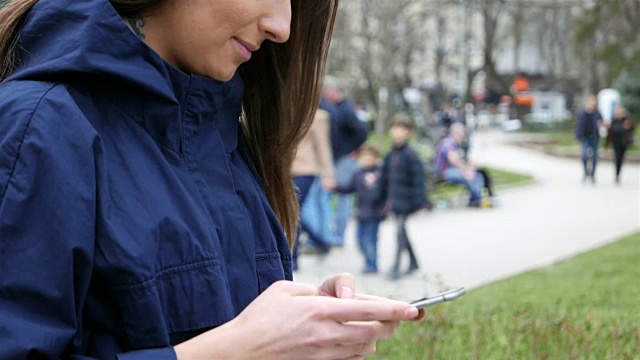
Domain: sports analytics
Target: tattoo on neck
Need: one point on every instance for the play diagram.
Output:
(137, 23)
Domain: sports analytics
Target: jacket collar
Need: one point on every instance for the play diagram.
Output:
(400, 147)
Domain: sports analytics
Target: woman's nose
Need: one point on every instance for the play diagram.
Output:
(277, 25)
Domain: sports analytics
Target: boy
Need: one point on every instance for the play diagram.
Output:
(402, 188)
(369, 213)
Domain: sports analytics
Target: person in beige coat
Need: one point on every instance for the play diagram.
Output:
(313, 161)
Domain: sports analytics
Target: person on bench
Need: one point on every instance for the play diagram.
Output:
(452, 168)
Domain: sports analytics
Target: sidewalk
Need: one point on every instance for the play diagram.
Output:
(535, 226)
(543, 143)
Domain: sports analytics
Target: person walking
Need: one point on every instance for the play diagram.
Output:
(370, 212)
(147, 207)
(587, 132)
(620, 134)
(313, 162)
(402, 189)
(348, 133)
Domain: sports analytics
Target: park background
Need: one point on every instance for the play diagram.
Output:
(552, 269)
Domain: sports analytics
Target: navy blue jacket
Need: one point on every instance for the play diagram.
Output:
(369, 208)
(131, 217)
(402, 184)
(347, 131)
(583, 129)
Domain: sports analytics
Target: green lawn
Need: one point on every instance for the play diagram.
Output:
(587, 307)
(503, 178)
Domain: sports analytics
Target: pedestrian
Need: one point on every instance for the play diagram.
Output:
(449, 116)
(621, 135)
(146, 197)
(587, 132)
(402, 189)
(313, 162)
(348, 133)
(452, 168)
(370, 212)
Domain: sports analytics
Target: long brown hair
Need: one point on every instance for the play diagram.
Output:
(283, 89)
(11, 15)
(283, 85)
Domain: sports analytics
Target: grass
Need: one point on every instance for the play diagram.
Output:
(503, 178)
(587, 307)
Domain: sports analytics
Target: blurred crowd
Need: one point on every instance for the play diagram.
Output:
(335, 165)
(340, 175)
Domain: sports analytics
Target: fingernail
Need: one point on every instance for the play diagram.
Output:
(346, 293)
(411, 313)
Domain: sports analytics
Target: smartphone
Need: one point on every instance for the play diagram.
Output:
(439, 299)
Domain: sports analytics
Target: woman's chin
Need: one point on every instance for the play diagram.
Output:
(220, 74)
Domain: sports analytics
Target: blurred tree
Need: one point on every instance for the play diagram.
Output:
(629, 86)
(492, 13)
(552, 33)
(381, 47)
(607, 39)
(376, 46)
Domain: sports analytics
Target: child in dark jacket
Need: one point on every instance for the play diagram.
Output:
(369, 213)
(402, 189)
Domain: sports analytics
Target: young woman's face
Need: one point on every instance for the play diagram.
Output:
(213, 37)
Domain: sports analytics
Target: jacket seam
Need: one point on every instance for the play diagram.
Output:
(268, 255)
(183, 140)
(24, 135)
(168, 272)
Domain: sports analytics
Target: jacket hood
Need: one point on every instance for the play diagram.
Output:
(68, 40)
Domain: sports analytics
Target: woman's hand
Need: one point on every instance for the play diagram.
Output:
(298, 321)
(343, 286)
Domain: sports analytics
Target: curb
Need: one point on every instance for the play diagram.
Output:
(560, 151)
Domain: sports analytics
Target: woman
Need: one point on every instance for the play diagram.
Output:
(620, 135)
(138, 218)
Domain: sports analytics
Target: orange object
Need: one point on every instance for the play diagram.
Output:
(521, 84)
(523, 100)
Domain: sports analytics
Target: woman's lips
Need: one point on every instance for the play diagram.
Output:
(245, 49)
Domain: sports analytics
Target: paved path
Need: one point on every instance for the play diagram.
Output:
(535, 225)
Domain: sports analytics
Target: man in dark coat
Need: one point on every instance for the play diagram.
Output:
(348, 133)
(588, 134)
